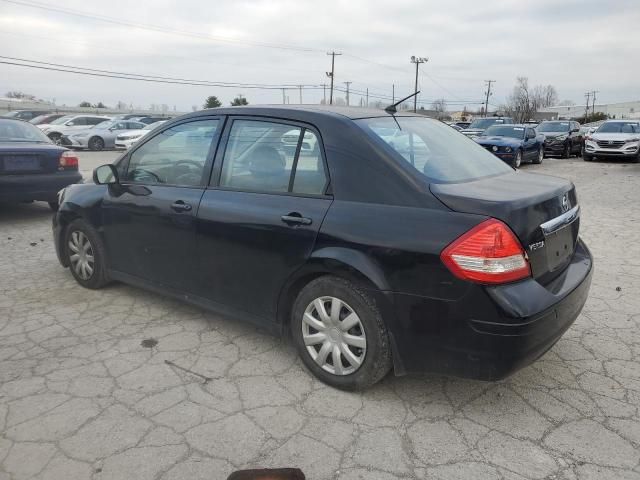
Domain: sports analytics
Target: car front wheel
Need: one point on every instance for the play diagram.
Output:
(96, 143)
(85, 255)
(539, 156)
(340, 334)
(517, 160)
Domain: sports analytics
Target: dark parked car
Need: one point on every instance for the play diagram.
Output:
(562, 137)
(479, 125)
(25, 115)
(46, 119)
(31, 166)
(394, 241)
(513, 144)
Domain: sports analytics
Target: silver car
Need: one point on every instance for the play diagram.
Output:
(70, 124)
(101, 136)
(614, 138)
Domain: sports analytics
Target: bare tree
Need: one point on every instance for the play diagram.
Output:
(440, 107)
(524, 102)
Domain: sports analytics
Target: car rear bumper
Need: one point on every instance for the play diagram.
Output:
(36, 186)
(490, 332)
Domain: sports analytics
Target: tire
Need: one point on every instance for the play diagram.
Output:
(517, 161)
(567, 151)
(53, 206)
(76, 232)
(539, 157)
(96, 144)
(636, 159)
(362, 365)
(587, 158)
(55, 138)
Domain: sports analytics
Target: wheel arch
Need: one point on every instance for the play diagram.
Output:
(341, 262)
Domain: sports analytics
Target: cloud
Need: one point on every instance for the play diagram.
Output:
(576, 45)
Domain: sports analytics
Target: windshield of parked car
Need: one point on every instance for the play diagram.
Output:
(553, 127)
(504, 131)
(434, 149)
(619, 127)
(61, 120)
(15, 131)
(483, 123)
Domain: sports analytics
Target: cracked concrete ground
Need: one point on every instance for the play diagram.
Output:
(81, 398)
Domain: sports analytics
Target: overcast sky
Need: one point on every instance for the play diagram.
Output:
(575, 45)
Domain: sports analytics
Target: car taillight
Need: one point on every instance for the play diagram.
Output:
(489, 253)
(68, 160)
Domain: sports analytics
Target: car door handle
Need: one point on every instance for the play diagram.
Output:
(180, 206)
(294, 218)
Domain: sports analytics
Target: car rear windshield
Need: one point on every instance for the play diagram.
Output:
(619, 127)
(434, 149)
(16, 131)
(504, 131)
(553, 127)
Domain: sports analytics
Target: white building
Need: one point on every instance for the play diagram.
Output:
(614, 110)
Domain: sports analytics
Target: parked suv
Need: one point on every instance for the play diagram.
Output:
(561, 137)
(614, 138)
(70, 124)
(478, 126)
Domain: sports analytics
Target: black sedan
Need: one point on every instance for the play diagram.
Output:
(389, 241)
(31, 167)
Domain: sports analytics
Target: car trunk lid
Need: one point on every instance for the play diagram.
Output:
(541, 210)
(29, 158)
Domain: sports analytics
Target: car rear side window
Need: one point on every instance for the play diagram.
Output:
(261, 157)
(176, 156)
(433, 148)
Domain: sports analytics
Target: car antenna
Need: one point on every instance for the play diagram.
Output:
(392, 108)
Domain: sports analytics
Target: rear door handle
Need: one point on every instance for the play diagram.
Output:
(294, 218)
(180, 206)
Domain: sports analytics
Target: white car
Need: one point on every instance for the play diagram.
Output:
(125, 141)
(70, 124)
(614, 139)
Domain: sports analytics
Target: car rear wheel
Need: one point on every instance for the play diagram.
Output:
(340, 334)
(55, 138)
(567, 151)
(85, 255)
(96, 143)
(586, 157)
(517, 161)
(539, 156)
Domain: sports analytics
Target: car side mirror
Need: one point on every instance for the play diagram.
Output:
(575, 130)
(106, 175)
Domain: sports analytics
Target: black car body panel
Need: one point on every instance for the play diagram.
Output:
(378, 224)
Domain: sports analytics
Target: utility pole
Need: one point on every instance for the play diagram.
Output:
(367, 97)
(593, 110)
(347, 84)
(586, 107)
(300, 87)
(393, 93)
(488, 92)
(324, 92)
(284, 99)
(331, 74)
(417, 61)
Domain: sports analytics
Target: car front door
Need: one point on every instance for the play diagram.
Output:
(530, 144)
(258, 221)
(149, 218)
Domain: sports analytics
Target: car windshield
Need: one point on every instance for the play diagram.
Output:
(15, 131)
(553, 127)
(432, 148)
(619, 127)
(485, 122)
(61, 120)
(504, 131)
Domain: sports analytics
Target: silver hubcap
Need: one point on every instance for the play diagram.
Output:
(81, 255)
(518, 159)
(334, 335)
(540, 155)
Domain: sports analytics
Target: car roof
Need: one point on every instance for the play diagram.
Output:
(315, 110)
(629, 120)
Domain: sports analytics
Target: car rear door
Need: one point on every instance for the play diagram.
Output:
(149, 219)
(258, 221)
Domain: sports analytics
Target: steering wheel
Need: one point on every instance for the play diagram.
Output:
(141, 175)
(193, 163)
(189, 177)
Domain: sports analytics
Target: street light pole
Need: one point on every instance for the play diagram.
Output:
(347, 84)
(417, 61)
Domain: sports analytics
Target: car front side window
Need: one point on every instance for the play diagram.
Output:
(175, 156)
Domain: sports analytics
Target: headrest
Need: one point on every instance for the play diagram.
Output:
(265, 161)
